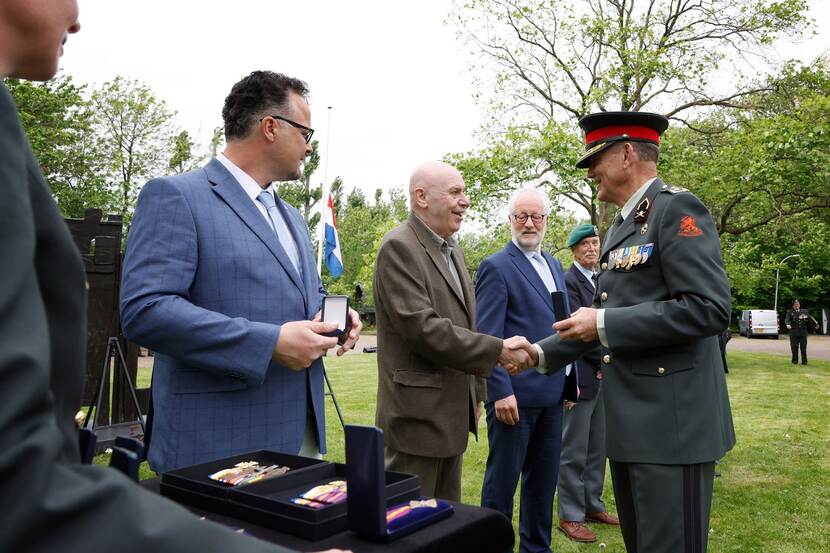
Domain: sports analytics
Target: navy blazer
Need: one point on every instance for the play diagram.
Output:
(581, 294)
(207, 286)
(512, 300)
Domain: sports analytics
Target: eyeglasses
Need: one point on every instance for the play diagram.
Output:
(309, 132)
(522, 218)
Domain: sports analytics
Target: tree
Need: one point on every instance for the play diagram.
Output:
(360, 227)
(756, 168)
(134, 132)
(58, 121)
(217, 141)
(336, 191)
(183, 159)
(558, 60)
(765, 176)
(301, 194)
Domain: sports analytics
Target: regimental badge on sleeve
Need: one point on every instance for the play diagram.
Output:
(630, 256)
(688, 227)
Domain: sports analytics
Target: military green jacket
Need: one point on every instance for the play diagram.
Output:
(666, 298)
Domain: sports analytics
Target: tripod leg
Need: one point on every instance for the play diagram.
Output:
(96, 407)
(121, 359)
(333, 398)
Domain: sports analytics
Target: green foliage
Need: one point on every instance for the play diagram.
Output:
(560, 58)
(134, 133)
(58, 121)
(557, 60)
(183, 159)
(301, 194)
(779, 466)
(360, 227)
(765, 176)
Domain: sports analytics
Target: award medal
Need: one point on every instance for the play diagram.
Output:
(247, 472)
(630, 256)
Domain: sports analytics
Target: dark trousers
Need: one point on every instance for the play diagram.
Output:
(531, 449)
(663, 508)
(797, 342)
(582, 465)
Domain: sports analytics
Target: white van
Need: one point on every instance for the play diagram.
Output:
(758, 322)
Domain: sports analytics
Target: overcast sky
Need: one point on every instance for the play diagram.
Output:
(393, 72)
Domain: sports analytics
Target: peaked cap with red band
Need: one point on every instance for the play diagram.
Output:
(607, 127)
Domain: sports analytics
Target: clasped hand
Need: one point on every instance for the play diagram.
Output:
(517, 354)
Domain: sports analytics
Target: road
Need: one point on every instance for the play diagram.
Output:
(818, 347)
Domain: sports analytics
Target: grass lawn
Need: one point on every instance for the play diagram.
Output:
(774, 495)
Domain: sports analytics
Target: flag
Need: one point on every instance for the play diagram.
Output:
(334, 261)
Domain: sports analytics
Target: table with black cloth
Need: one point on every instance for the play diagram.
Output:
(469, 529)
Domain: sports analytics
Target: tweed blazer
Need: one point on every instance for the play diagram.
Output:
(430, 358)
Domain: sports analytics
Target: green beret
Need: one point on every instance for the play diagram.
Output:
(580, 232)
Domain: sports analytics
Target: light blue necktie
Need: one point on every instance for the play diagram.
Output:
(279, 227)
(542, 268)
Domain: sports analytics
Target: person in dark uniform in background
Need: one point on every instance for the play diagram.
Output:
(662, 298)
(799, 322)
(582, 464)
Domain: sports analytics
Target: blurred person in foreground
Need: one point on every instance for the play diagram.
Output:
(56, 503)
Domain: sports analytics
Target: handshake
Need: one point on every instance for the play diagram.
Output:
(517, 355)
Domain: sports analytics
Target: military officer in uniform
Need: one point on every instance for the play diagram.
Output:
(798, 322)
(662, 299)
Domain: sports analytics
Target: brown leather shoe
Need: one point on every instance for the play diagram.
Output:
(577, 531)
(603, 518)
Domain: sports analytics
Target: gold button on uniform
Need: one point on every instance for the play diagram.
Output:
(606, 359)
(660, 370)
(604, 266)
(603, 296)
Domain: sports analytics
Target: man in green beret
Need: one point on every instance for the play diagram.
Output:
(662, 299)
(582, 463)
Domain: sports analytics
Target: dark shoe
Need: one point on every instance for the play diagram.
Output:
(577, 531)
(795, 362)
(603, 518)
(804, 362)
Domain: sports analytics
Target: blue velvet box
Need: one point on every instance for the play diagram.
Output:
(367, 498)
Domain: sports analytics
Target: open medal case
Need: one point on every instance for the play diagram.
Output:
(269, 502)
(193, 485)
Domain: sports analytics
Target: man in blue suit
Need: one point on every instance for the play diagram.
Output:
(219, 280)
(524, 413)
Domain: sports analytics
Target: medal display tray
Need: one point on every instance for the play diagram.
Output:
(193, 486)
(269, 503)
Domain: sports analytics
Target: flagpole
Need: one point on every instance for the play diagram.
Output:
(324, 198)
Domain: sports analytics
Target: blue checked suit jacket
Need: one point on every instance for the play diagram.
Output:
(512, 300)
(206, 285)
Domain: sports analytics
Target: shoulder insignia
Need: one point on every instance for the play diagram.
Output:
(641, 211)
(673, 189)
(688, 227)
